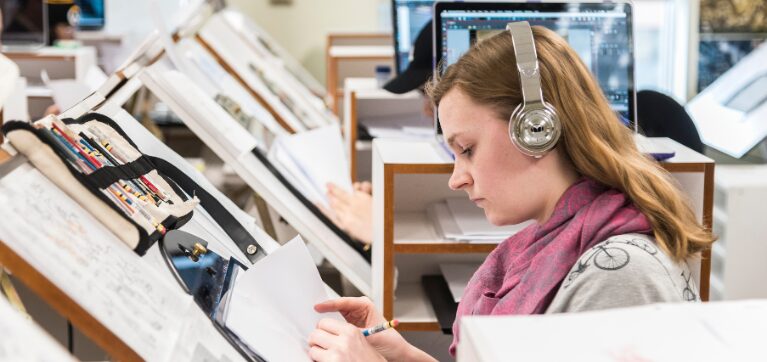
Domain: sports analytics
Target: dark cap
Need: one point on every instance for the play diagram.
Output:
(420, 68)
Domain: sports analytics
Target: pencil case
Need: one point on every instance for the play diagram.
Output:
(94, 162)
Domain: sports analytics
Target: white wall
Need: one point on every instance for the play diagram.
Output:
(303, 26)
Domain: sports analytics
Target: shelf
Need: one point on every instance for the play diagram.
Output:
(364, 145)
(417, 153)
(720, 217)
(361, 51)
(39, 92)
(413, 310)
(717, 286)
(415, 234)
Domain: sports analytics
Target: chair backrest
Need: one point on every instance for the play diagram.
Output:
(661, 116)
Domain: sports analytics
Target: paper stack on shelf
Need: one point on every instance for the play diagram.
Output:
(457, 276)
(406, 126)
(458, 219)
(311, 160)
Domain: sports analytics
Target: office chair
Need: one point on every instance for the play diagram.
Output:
(661, 116)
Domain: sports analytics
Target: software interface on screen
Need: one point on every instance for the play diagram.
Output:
(602, 38)
(410, 17)
(91, 14)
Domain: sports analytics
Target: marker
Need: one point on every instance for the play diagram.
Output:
(380, 328)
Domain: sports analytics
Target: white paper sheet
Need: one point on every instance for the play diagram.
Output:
(318, 155)
(280, 156)
(23, 340)
(472, 221)
(457, 277)
(82, 258)
(272, 307)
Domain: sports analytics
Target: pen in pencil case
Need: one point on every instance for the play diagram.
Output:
(89, 144)
(380, 328)
(114, 154)
(129, 186)
(118, 154)
(64, 140)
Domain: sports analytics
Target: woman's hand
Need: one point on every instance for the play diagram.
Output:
(358, 311)
(347, 338)
(334, 340)
(352, 211)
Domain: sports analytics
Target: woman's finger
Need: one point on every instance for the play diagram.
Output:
(321, 339)
(319, 354)
(332, 326)
(341, 305)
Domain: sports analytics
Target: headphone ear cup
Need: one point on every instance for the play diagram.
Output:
(535, 130)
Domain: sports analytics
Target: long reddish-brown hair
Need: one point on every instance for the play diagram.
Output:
(596, 142)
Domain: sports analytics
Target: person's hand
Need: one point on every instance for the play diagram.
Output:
(52, 109)
(334, 340)
(361, 313)
(364, 186)
(352, 212)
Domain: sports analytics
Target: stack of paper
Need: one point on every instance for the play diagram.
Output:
(457, 277)
(311, 160)
(408, 126)
(458, 219)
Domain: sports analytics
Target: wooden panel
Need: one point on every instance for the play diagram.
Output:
(684, 167)
(425, 168)
(352, 136)
(419, 327)
(443, 248)
(708, 219)
(388, 247)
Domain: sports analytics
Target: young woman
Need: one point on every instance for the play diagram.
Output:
(612, 228)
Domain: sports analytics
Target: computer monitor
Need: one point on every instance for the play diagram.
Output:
(25, 23)
(601, 33)
(91, 14)
(409, 17)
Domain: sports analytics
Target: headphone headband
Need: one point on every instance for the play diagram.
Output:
(527, 62)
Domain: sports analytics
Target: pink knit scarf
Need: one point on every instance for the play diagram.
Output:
(522, 275)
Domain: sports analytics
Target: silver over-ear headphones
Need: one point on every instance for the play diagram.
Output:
(534, 126)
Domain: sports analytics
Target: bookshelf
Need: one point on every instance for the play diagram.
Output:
(409, 175)
(363, 98)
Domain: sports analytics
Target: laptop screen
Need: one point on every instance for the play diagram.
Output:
(410, 16)
(25, 22)
(600, 33)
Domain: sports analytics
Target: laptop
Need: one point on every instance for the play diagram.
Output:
(600, 32)
(408, 18)
(24, 24)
